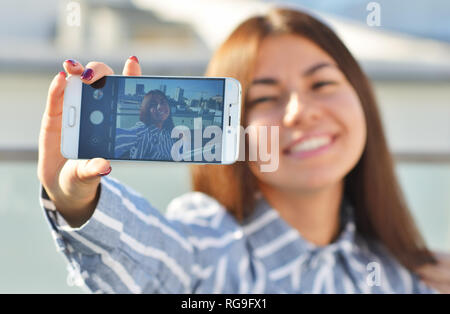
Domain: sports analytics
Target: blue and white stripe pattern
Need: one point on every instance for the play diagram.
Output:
(144, 142)
(128, 246)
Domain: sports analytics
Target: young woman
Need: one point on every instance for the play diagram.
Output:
(330, 219)
(151, 137)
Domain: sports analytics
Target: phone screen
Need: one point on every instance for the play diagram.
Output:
(152, 118)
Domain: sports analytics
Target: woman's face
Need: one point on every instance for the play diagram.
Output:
(322, 131)
(160, 111)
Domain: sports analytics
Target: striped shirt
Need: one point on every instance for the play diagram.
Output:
(144, 142)
(197, 246)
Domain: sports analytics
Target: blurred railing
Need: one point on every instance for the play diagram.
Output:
(415, 157)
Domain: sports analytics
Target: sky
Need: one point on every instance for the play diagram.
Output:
(428, 18)
(422, 18)
(192, 87)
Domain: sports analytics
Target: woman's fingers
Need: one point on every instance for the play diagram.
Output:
(79, 178)
(132, 67)
(55, 96)
(437, 273)
(73, 67)
(50, 158)
(437, 276)
(443, 258)
(439, 286)
(92, 169)
(95, 71)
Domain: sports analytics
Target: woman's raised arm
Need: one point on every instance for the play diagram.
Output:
(72, 185)
(114, 240)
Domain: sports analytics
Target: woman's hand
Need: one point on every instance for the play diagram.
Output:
(437, 276)
(72, 184)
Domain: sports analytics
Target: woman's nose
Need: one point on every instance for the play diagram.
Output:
(298, 112)
(293, 110)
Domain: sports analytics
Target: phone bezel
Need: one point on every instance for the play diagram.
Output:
(230, 133)
(70, 134)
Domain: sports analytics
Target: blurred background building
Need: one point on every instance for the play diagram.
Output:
(407, 56)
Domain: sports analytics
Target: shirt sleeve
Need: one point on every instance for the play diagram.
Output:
(127, 246)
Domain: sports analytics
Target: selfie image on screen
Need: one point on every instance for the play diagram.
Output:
(162, 119)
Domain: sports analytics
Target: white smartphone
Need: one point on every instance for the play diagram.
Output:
(152, 118)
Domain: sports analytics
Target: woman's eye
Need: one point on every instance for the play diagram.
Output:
(321, 84)
(263, 99)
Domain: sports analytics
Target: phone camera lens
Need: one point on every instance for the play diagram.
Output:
(97, 94)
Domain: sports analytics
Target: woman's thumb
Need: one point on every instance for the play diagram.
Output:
(93, 169)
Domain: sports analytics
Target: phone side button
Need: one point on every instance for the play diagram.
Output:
(71, 116)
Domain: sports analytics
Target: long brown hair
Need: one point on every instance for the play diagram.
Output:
(381, 211)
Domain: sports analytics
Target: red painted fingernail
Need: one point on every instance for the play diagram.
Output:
(72, 62)
(87, 74)
(101, 174)
(134, 58)
(63, 73)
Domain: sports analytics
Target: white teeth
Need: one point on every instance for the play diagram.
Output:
(311, 144)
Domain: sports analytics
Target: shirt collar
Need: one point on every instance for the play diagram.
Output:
(274, 241)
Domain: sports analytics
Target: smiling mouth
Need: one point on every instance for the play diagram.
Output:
(310, 146)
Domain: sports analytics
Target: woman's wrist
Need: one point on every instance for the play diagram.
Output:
(77, 212)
